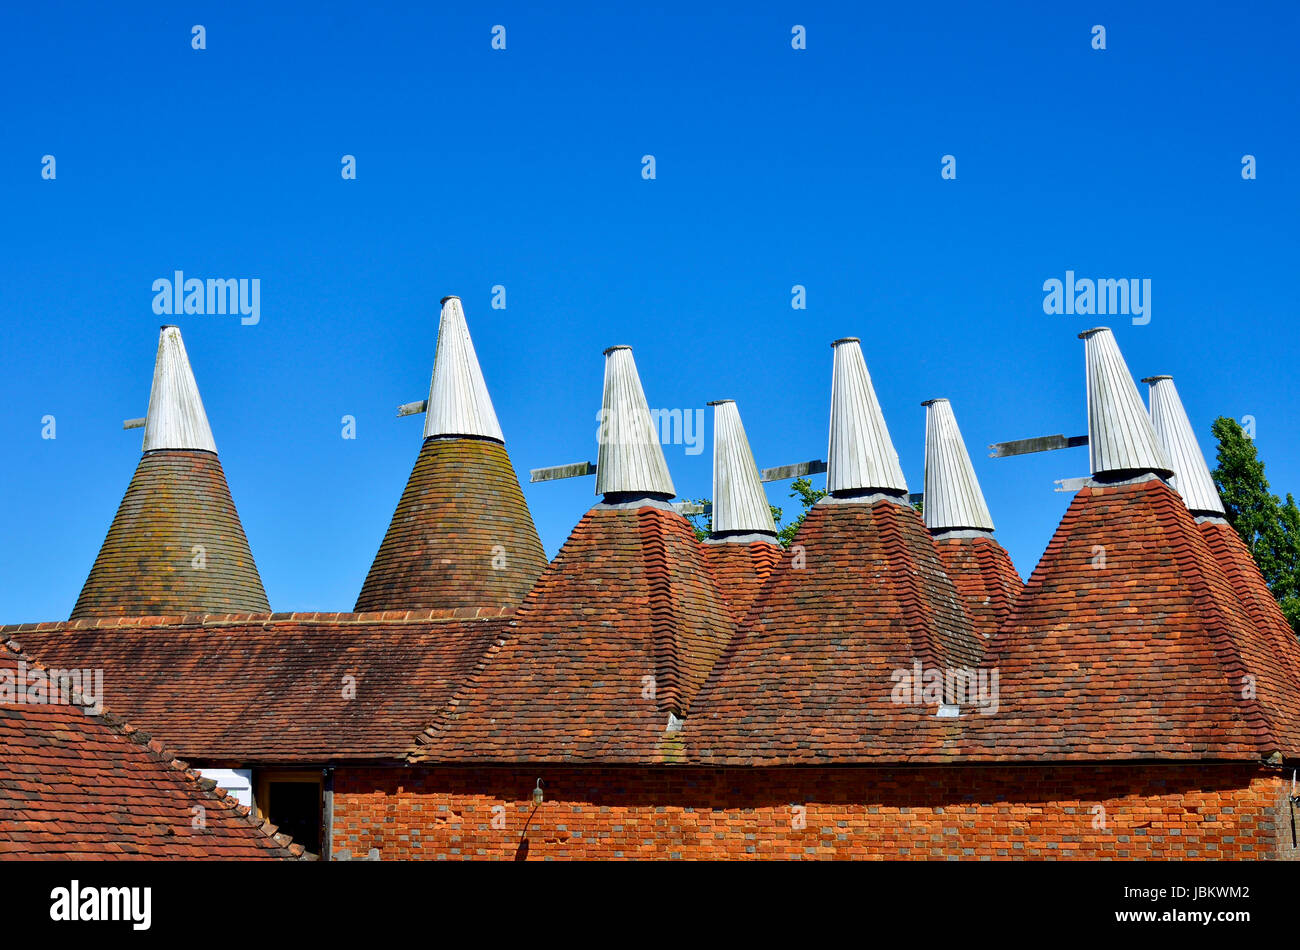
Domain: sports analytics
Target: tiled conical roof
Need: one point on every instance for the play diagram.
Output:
(741, 569)
(462, 535)
(1129, 640)
(176, 544)
(611, 645)
(958, 517)
(860, 594)
(1277, 650)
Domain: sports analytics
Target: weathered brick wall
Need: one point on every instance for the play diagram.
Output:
(972, 812)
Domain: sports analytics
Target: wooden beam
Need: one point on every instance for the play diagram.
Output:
(782, 472)
(555, 472)
(1044, 443)
(133, 424)
(412, 408)
(692, 508)
(1071, 484)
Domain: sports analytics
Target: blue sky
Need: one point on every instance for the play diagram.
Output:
(522, 168)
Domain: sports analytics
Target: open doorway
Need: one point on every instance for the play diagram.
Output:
(293, 802)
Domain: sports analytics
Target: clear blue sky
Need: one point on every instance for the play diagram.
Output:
(523, 168)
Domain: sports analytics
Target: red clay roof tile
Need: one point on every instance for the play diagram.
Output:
(176, 545)
(461, 536)
(77, 785)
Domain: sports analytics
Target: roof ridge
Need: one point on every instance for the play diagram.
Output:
(157, 751)
(431, 615)
(663, 642)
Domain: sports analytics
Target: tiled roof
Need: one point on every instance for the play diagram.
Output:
(275, 688)
(809, 678)
(740, 570)
(461, 536)
(984, 576)
(76, 785)
(1129, 642)
(620, 631)
(175, 546)
(1274, 644)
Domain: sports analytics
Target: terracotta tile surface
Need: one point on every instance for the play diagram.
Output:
(1129, 641)
(276, 691)
(985, 579)
(620, 631)
(810, 676)
(177, 503)
(74, 785)
(740, 571)
(461, 536)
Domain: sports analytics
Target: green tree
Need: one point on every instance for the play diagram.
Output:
(1269, 527)
(801, 488)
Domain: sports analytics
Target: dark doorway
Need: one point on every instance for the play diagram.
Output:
(294, 806)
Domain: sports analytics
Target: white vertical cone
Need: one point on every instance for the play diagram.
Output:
(739, 502)
(176, 419)
(861, 455)
(952, 493)
(631, 459)
(1120, 436)
(458, 397)
(1174, 431)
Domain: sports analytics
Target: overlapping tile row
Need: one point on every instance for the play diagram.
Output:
(176, 545)
(1274, 642)
(984, 576)
(461, 536)
(810, 675)
(277, 689)
(1129, 641)
(618, 634)
(740, 570)
(79, 785)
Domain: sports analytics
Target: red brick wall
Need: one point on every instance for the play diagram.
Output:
(1151, 811)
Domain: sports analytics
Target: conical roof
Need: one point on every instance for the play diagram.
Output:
(611, 645)
(630, 460)
(1129, 640)
(861, 455)
(1174, 433)
(1121, 440)
(860, 594)
(176, 545)
(1278, 650)
(462, 535)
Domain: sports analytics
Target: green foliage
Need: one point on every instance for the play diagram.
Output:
(808, 496)
(801, 488)
(1269, 527)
